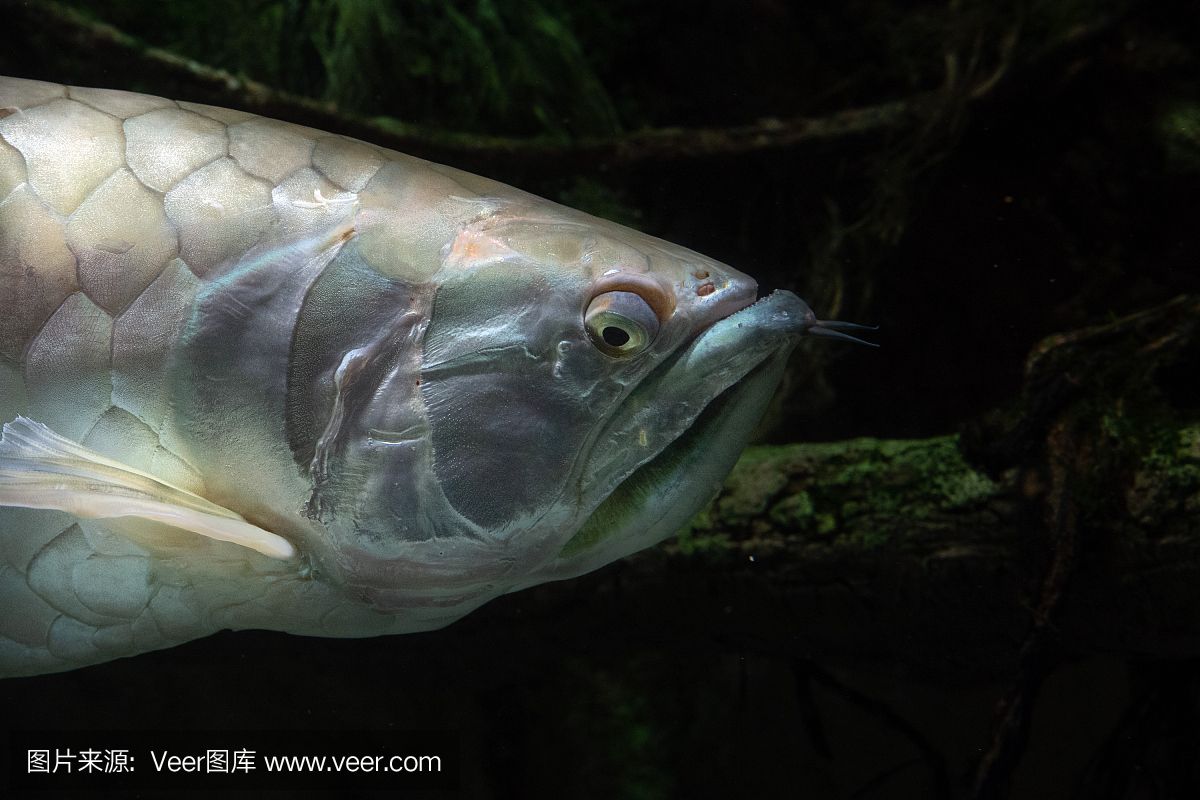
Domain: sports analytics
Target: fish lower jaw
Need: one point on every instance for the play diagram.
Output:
(662, 494)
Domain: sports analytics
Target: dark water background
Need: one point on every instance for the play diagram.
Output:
(1046, 177)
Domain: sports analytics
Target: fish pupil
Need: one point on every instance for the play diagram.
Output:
(614, 336)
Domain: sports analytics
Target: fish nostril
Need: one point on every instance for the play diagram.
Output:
(705, 289)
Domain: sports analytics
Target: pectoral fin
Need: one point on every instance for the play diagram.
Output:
(40, 469)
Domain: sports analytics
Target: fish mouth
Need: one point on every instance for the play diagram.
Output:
(688, 422)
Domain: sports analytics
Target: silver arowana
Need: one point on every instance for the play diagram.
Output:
(258, 376)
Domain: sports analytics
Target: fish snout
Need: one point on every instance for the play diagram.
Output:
(783, 313)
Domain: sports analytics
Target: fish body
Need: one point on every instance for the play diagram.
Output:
(260, 376)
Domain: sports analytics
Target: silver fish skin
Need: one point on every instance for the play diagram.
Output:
(259, 376)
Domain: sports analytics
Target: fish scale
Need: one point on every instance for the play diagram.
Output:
(85, 324)
(188, 186)
(254, 375)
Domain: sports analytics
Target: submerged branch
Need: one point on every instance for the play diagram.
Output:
(223, 87)
(214, 85)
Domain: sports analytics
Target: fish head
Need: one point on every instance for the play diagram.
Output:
(577, 390)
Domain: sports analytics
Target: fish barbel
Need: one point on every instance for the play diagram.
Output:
(259, 376)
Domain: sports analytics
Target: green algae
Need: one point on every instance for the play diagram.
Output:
(859, 491)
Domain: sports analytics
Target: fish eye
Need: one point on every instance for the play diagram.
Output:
(620, 323)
